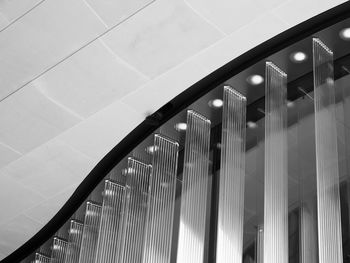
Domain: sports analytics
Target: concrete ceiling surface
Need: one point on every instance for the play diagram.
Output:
(77, 76)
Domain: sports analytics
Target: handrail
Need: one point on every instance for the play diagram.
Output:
(180, 102)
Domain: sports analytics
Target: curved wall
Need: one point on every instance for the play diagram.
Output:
(97, 75)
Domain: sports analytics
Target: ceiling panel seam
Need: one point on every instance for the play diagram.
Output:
(74, 52)
(205, 19)
(18, 18)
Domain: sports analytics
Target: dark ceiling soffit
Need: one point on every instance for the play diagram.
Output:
(180, 102)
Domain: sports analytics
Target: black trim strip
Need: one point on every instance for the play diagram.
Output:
(169, 110)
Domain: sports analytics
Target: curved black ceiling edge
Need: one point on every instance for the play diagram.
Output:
(170, 109)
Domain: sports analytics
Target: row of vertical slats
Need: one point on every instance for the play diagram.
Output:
(90, 233)
(111, 225)
(74, 241)
(135, 222)
(194, 189)
(137, 187)
(231, 181)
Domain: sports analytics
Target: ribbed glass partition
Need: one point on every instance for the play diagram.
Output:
(39, 258)
(111, 223)
(74, 241)
(254, 168)
(232, 174)
(328, 199)
(194, 189)
(90, 233)
(159, 220)
(58, 250)
(276, 170)
(137, 187)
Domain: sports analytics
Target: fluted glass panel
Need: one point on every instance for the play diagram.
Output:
(137, 187)
(39, 258)
(276, 173)
(232, 173)
(90, 233)
(58, 250)
(159, 221)
(111, 225)
(74, 242)
(194, 189)
(328, 203)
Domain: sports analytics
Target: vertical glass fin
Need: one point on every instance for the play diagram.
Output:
(159, 221)
(111, 224)
(39, 258)
(328, 200)
(137, 186)
(276, 170)
(194, 189)
(58, 250)
(74, 241)
(90, 233)
(232, 173)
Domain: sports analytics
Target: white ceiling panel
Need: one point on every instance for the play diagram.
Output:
(241, 41)
(161, 36)
(165, 87)
(267, 5)
(90, 80)
(15, 198)
(113, 12)
(45, 211)
(28, 118)
(13, 9)
(50, 168)
(43, 37)
(7, 154)
(297, 11)
(97, 135)
(17, 231)
(228, 15)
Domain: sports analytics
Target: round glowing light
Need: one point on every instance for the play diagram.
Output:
(298, 57)
(217, 103)
(151, 149)
(255, 80)
(251, 125)
(345, 33)
(181, 126)
(290, 104)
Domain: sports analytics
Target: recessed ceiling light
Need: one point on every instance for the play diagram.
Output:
(216, 103)
(290, 104)
(255, 79)
(345, 33)
(252, 125)
(298, 57)
(181, 126)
